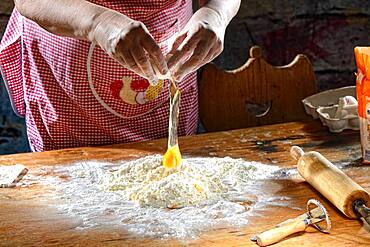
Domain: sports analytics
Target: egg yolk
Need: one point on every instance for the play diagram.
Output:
(172, 158)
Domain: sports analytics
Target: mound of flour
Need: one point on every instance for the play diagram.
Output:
(195, 182)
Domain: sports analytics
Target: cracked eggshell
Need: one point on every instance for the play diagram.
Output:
(327, 117)
(326, 99)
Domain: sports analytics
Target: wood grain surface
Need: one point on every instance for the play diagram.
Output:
(26, 219)
(255, 94)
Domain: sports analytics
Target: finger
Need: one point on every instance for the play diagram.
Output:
(129, 62)
(178, 41)
(187, 48)
(212, 54)
(198, 56)
(156, 54)
(143, 62)
(125, 61)
(133, 68)
(215, 51)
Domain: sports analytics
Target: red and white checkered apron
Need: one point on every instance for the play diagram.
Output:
(46, 76)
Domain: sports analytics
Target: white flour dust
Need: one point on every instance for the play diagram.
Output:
(206, 193)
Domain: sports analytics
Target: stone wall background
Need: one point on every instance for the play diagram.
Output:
(13, 138)
(326, 31)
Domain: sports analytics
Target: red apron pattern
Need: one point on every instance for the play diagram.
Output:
(48, 83)
(135, 91)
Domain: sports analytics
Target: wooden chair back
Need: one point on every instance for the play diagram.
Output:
(255, 94)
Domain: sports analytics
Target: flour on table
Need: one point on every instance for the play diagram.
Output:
(147, 182)
(11, 175)
(208, 193)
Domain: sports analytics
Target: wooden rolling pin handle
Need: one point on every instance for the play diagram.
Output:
(281, 231)
(296, 152)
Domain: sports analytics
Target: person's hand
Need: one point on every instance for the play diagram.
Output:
(199, 43)
(130, 43)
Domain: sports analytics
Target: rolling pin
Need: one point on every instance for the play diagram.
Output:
(349, 197)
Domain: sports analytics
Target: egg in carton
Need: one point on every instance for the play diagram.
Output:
(327, 98)
(342, 116)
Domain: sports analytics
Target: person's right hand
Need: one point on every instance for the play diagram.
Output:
(130, 43)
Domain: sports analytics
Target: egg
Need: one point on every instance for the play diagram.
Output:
(172, 158)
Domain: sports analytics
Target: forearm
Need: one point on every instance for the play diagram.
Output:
(226, 9)
(124, 39)
(73, 18)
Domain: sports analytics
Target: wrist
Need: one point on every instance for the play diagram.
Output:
(218, 16)
(212, 19)
(100, 19)
(225, 9)
(107, 29)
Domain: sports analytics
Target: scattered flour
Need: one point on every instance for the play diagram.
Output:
(208, 193)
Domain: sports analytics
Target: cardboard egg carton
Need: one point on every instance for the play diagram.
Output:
(336, 108)
(326, 99)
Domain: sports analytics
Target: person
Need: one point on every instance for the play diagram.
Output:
(73, 93)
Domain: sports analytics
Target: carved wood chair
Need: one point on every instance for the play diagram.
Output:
(255, 94)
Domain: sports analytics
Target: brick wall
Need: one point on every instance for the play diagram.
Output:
(326, 31)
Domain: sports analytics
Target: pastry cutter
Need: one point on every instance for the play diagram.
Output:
(316, 216)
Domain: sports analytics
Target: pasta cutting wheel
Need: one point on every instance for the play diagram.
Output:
(316, 216)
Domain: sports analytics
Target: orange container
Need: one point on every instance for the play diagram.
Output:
(362, 55)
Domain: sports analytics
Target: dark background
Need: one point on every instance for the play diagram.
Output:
(326, 31)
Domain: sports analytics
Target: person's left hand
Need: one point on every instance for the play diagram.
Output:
(199, 43)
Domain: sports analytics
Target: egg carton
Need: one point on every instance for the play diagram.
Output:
(326, 99)
(328, 118)
(337, 109)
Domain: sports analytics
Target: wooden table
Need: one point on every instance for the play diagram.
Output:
(26, 221)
